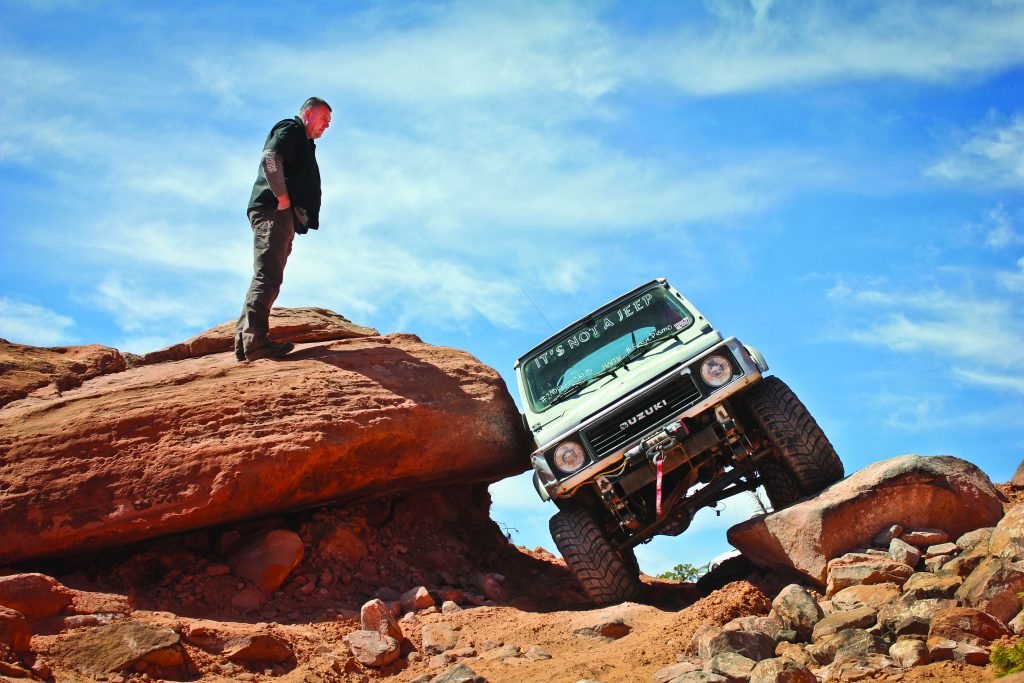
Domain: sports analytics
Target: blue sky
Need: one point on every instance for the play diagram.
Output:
(838, 184)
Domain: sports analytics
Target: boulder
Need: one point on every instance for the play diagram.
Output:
(851, 643)
(860, 569)
(172, 447)
(874, 596)
(1017, 480)
(267, 558)
(1007, 539)
(343, 547)
(994, 587)
(906, 615)
(751, 644)
(671, 673)
(940, 649)
(914, 491)
(34, 595)
(922, 538)
(734, 667)
(909, 652)
(862, 617)
(606, 628)
(797, 610)
(923, 585)
(967, 625)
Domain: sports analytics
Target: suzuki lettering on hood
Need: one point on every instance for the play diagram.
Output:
(647, 412)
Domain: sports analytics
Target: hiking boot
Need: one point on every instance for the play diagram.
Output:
(272, 349)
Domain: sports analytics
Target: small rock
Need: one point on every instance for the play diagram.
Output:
(901, 551)
(923, 538)
(372, 649)
(439, 637)
(249, 599)
(940, 549)
(781, 670)
(375, 616)
(502, 653)
(940, 649)
(857, 568)
(460, 673)
(15, 632)
(751, 644)
(672, 673)
(491, 586)
(885, 536)
(449, 607)
(264, 647)
(415, 599)
(217, 570)
(874, 596)
(909, 652)
(993, 587)
(536, 654)
(609, 629)
(267, 559)
(118, 646)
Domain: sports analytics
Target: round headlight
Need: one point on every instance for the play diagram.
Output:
(569, 456)
(715, 371)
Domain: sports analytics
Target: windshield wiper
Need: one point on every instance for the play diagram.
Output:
(579, 386)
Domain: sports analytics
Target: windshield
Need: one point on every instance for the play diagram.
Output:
(603, 343)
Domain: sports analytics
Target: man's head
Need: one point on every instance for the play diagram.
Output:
(316, 117)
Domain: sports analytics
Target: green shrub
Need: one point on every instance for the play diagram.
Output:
(680, 572)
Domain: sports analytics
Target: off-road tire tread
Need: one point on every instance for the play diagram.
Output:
(804, 461)
(602, 572)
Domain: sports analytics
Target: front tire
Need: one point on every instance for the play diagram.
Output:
(803, 461)
(607, 575)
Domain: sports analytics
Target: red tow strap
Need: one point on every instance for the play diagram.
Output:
(659, 461)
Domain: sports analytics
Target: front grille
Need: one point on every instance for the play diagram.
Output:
(608, 435)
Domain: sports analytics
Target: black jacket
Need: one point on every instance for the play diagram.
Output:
(301, 173)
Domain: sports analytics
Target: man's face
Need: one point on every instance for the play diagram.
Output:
(316, 120)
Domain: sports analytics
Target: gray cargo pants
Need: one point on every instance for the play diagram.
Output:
(273, 232)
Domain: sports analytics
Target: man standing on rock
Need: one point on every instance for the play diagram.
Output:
(285, 200)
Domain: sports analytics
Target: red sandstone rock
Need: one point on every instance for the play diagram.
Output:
(34, 595)
(967, 625)
(917, 492)
(172, 447)
(376, 616)
(14, 630)
(267, 559)
(24, 369)
(297, 325)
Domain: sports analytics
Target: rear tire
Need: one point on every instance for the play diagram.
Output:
(803, 461)
(607, 575)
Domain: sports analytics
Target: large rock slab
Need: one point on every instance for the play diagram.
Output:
(176, 446)
(941, 492)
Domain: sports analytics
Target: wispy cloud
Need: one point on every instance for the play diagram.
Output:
(27, 323)
(992, 155)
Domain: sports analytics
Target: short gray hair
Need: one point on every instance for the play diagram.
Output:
(314, 102)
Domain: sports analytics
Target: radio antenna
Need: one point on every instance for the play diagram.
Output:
(536, 307)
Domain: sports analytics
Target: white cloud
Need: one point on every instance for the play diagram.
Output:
(142, 305)
(980, 337)
(25, 323)
(1013, 280)
(791, 44)
(994, 155)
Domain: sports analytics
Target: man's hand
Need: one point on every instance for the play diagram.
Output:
(283, 202)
